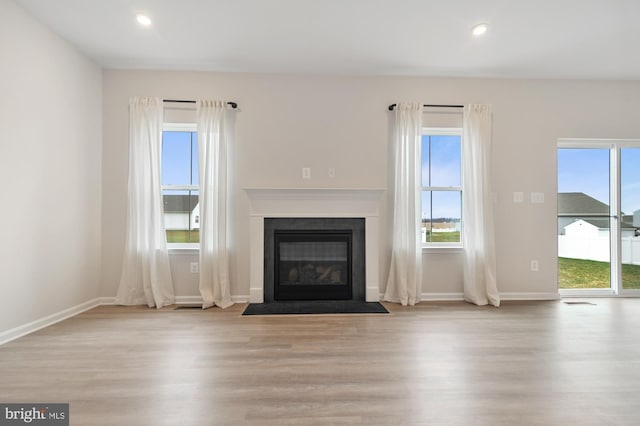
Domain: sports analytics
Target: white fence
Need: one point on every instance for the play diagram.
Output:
(598, 248)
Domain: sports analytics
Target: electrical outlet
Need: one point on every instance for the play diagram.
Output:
(194, 267)
(332, 172)
(306, 173)
(535, 266)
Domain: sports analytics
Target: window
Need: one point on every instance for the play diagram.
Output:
(180, 184)
(441, 187)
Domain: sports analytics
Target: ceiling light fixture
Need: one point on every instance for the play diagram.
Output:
(143, 19)
(479, 29)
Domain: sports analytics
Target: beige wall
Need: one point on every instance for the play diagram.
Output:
(287, 122)
(50, 170)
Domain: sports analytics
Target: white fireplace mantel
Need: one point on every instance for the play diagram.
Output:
(314, 202)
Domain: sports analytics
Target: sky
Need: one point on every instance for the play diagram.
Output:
(587, 171)
(630, 179)
(179, 154)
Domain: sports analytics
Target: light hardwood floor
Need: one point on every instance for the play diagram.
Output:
(526, 363)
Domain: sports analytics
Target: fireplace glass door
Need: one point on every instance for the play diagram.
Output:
(313, 265)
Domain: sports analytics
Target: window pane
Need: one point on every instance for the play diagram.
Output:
(441, 216)
(194, 158)
(181, 216)
(426, 216)
(630, 226)
(178, 150)
(584, 250)
(584, 171)
(445, 161)
(425, 160)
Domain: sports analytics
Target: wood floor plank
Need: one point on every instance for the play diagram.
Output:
(538, 363)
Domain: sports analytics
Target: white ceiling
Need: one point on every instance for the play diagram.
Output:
(527, 38)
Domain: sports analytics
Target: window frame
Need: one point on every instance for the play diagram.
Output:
(443, 131)
(180, 127)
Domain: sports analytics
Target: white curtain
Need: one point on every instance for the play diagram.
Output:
(215, 141)
(146, 276)
(405, 275)
(479, 263)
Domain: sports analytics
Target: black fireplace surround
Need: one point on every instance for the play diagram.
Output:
(314, 259)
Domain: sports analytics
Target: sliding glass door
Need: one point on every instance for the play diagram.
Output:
(630, 216)
(584, 218)
(598, 195)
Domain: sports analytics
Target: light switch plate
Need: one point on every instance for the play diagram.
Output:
(535, 266)
(518, 197)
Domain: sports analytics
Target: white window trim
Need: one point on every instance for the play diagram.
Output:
(181, 248)
(179, 127)
(444, 247)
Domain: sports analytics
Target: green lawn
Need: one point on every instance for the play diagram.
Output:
(183, 236)
(444, 237)
(577, 273)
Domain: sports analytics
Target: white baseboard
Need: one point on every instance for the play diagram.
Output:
(180, 300)
(188, 300)
(434, 297)
(194, 300)
(41, 323)
(529, 296)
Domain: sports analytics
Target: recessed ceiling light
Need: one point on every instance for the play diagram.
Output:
(479, 29)
(143, 19)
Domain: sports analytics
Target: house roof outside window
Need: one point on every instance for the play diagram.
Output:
(573, 206)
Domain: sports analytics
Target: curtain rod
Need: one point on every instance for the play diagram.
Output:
(393, 106)
(233, 105)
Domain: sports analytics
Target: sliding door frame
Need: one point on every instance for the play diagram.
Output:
(615, 214)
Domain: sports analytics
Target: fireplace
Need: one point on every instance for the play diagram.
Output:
(267, 204)
(312, 265)
(314, 259)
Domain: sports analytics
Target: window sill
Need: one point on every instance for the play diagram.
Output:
(442, 249)
(183, 249)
